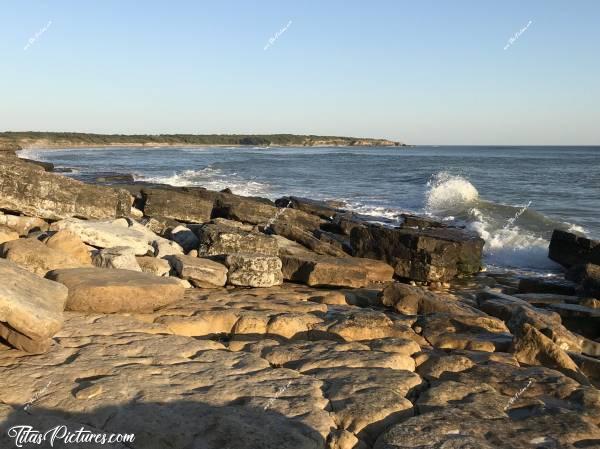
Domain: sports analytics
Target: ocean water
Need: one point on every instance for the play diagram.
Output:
(512, 196)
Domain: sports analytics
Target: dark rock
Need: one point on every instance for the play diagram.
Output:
(306, 239)
(569, 249)
(27, 189)
(421, 255)
(555, 286)
(47, 166)
(339, 241)
(588, 276)
(176, 205)
(113, 178)
(414, 221)
(319, 208)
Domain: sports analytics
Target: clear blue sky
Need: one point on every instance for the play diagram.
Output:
(424, 72)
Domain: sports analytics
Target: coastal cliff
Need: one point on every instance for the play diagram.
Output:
(62, 140)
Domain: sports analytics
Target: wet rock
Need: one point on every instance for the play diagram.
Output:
(31, 308)
(31, 191)
(203, 273)
(588, 276)
(315, 270)
(569, 249)
(176, 205)
(222, 239)
(36, 257)
(69, 243)
(116, 291)
(253, 270)
(554, 286)
(313, 207)
(421, 255)
(118, 257)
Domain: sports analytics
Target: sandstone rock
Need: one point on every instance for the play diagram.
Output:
(333, 271)
(203, 273)
(176, 205)
(568, 249)
(253, 270)
(185, 237)
(421, 255)
(533, 347)
(476, 333)
(152, 265)
(36, 193)
(313, 207)
(7, 234)
(31, 308)
(116, 291)
(23, 225)
(105, 234)
(118, 257)
(412, 300)
(218, 239)
(36, 257)
(71, 244)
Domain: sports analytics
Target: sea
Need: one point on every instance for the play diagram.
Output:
(512, 196)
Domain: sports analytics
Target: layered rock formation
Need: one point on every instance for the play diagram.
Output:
(208, 320)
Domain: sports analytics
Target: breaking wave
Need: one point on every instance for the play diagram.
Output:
(515, 236)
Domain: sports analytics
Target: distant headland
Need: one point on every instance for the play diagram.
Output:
(30, 139)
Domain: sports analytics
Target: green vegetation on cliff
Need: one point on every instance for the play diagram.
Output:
(28, 138)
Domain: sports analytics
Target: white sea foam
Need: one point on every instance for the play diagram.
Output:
(446, 192)
(212, 179)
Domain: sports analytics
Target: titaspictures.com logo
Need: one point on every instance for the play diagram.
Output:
(28, 435)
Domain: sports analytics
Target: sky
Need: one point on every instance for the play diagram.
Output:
(421, 72)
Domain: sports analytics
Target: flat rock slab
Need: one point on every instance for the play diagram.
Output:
(314, 270)
(27, 189)
(569, 249)
(30, 305)
(36, 257)
(106, 234)
(116, 291)
(217, 239)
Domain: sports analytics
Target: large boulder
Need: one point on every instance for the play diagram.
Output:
(218, 239)
(569, 249)
(34, 256)
(116, 291)
(106, 234)
(315, 270)
(253, 270)
(118, 258)
(7, 234)
(31, 308)
(27, 189)
(69, 243)
(203, 273)
(176, 205)
(588, 277)
(23, 225)
(436, 254)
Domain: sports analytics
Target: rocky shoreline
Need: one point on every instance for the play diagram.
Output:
(201, 319)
